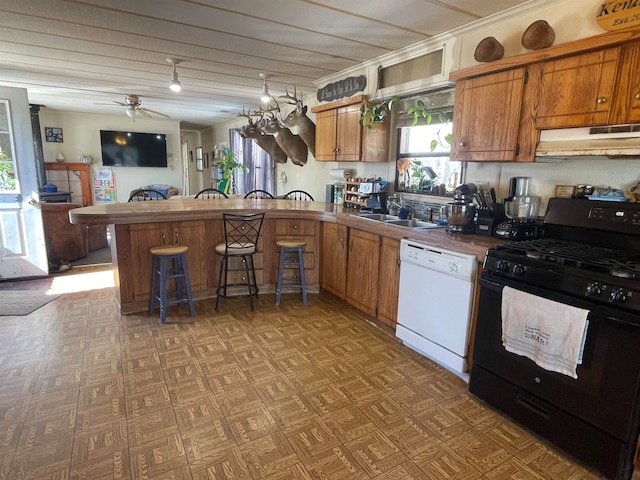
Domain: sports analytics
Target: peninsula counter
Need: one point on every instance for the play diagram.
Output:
(137, 226)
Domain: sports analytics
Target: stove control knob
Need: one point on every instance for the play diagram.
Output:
(593, 290)
(518, 270)
(502, 266)
(617, 296)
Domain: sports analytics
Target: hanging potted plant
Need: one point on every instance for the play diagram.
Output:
(375, 112)
(227, 162)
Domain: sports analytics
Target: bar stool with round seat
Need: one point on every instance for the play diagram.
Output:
(291, 254)
(170, 263)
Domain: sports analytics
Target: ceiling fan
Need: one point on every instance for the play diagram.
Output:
(133, 108)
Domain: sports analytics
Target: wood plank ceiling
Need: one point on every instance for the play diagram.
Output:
(82, 55)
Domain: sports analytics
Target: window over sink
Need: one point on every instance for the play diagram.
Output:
(422, 161)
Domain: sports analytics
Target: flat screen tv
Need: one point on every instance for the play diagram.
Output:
(133, 149)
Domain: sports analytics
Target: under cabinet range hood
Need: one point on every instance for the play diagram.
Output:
(612, 141)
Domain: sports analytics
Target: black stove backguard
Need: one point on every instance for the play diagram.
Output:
(589, 258)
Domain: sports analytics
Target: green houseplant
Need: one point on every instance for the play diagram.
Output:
(375, 112)
(227, 162)
(7, 176)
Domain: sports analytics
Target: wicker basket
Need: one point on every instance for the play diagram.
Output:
(538, 35)
(488, 50)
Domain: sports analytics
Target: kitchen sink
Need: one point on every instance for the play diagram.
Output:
(397, 221)
(413, 223)
(379, 217)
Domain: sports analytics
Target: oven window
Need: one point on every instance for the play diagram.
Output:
(422, 161)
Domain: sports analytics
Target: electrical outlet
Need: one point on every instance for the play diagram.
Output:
(283, 177)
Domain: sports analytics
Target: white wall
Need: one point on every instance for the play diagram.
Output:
(81, 134)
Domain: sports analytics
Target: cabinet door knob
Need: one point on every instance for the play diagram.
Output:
(602, 100)
(463, 144)
(638, 96)
(295, 227)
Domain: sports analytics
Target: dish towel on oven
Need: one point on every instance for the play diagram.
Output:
(551, 334)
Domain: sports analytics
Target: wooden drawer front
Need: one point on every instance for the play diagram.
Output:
(295, 227)
(235, 263)
(238, 276)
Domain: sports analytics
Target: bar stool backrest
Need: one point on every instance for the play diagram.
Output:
(146, 194)
(298, 195)
(241, 232)
(210, 193)
(258, 194)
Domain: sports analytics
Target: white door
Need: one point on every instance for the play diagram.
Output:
(22, 245)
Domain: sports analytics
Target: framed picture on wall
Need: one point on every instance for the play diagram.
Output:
(191, 156)
(206, 160)
(52, 134)
(199, 164)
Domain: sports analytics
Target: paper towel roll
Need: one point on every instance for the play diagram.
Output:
(341, 173)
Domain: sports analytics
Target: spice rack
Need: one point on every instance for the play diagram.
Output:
(352, 196)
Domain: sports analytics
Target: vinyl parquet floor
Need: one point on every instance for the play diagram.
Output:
(281, 393)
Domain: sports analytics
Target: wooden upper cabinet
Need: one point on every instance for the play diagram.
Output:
(341, 138)
(326, 136)
(348, 134)
(576, 91)
(627, 102)
(486, 117)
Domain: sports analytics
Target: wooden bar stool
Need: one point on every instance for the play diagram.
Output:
(291, 253)
(170, 262)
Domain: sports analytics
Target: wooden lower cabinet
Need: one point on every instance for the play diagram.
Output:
(388, 281)
(135, 285)
(363, 259)
(334, 258)
(363, 269)
(289, 229)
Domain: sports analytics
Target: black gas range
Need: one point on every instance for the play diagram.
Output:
(588, 258)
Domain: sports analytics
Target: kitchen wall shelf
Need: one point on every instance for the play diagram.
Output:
(352, 197)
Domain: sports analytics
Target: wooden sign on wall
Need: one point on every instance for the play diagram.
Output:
(618, 14)
(342, 88)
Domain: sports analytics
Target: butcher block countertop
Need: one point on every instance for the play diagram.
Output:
(191, 209)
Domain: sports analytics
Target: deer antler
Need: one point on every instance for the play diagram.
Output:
(294, 98)
(246, 115)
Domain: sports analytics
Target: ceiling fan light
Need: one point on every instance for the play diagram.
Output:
(131, 112)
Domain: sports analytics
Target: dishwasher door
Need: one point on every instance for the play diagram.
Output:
(435, 302)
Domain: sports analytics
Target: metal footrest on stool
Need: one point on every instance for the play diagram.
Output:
(170, 263)
(291, 254)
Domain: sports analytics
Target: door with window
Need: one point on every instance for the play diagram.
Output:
(22, 243)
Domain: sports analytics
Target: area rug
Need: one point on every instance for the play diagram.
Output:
(23, 302)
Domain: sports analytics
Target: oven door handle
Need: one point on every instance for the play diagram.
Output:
(531, 406)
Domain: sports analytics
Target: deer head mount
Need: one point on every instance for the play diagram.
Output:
(298, 122)
(295, 148)
(266, 142)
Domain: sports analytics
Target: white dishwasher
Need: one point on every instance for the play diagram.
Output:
(435, 301)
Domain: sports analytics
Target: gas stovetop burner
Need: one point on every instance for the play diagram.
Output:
(600, 260)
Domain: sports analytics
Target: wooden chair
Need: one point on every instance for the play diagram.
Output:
(241, 233)
(258, 194)
(298, 195)
(210, 193)
(146, 194)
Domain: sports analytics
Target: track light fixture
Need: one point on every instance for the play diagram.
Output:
(175, 83)
(265, 97)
